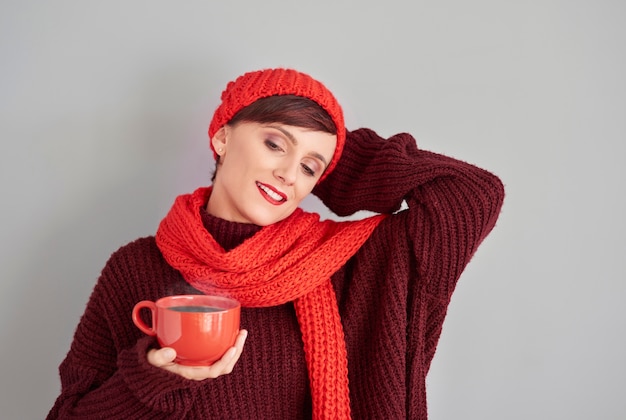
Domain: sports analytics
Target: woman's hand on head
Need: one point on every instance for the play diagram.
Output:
(164, 358)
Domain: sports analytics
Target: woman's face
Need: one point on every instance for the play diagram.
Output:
(266, 170)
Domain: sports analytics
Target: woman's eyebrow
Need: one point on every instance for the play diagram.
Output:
(286, 133)
(294, 141)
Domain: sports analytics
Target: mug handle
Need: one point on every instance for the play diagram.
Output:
(139, 322)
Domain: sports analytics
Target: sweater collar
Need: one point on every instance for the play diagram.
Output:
(227, 234)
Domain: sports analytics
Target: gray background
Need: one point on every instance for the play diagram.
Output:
(104, 108)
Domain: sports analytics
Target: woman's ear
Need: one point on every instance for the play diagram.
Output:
(219, 140)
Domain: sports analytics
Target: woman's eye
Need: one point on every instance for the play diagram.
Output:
(308, 170)
(271, 145)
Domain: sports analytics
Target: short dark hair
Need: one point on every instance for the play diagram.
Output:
(289, 110)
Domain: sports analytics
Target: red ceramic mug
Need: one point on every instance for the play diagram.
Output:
(200, 328)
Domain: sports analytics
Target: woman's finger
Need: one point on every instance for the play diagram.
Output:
(227, 363)
(161, 357)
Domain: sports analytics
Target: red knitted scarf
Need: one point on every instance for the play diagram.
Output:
(291, 260)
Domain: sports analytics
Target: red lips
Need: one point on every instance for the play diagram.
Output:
(271, 194)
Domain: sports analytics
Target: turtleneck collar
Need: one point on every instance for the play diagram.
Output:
(228, 234)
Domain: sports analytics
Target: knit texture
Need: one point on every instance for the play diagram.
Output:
(254, 85)
(392, 295)
(291, 260)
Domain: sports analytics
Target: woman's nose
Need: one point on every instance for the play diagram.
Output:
(287, 172)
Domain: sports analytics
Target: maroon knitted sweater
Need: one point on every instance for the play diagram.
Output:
(392, 295)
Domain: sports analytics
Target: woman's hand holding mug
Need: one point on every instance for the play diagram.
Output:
(165, 358)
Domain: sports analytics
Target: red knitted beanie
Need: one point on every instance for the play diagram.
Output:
(263, 83)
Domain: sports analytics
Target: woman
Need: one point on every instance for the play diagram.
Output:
(343, 317)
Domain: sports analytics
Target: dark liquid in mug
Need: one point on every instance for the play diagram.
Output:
(193, 308)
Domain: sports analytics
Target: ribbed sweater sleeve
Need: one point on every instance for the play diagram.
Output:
(453, 204)
(106, 374)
